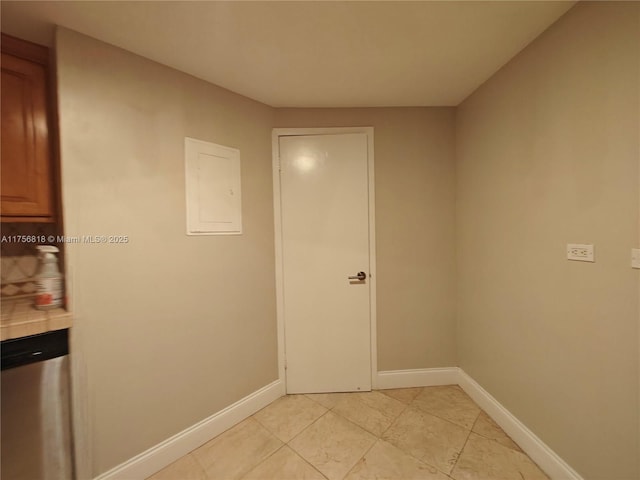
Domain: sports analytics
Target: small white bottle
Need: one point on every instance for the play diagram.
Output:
(48, 279)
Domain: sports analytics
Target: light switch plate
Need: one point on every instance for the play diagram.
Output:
(635, 258)
(580, 252)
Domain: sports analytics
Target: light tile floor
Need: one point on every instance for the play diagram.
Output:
(431, 433)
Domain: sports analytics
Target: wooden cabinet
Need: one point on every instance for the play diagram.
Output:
(27, 168)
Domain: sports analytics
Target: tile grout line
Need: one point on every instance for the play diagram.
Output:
(379, 437)
(361, 458)
(263, 460)
(445, 419)
(420, 460)
(519, 450)
(316, 420)
(440, 418)
(311, 465)
(376, 437)
(363, 428)
(195, 457)
(286, 444)
(304, 429)
(304, 459)
(406, 406)
(455, 464)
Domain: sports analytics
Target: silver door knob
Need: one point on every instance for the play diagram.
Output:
(360, 276)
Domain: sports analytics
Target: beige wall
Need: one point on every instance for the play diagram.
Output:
(168, 328)
(547, 154)
(164, 320)
(415, 237)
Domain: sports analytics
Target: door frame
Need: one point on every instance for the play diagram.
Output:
(277, 217)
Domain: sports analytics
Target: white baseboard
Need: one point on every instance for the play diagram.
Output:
(156, 458)
(547, 459)
(422, 377)
(149, 462)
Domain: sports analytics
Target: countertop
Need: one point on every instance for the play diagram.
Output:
(19, 318)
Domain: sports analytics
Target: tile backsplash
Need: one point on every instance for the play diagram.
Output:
(18, 259)
(17, 275)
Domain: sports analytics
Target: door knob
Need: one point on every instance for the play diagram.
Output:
(360, 276)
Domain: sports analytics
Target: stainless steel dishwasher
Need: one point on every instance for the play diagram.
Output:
(35, 423)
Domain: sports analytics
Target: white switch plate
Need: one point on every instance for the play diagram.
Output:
(580, 252)
(635, 258)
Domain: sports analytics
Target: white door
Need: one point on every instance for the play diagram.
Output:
(324, 187)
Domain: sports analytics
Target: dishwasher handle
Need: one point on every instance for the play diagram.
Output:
(35, 348)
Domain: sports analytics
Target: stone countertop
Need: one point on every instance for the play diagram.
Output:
(19, 318)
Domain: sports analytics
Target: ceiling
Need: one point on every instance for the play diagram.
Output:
(310, 53)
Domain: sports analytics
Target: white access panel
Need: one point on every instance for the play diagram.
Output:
(212, 174)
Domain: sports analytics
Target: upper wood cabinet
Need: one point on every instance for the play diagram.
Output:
(26, 170)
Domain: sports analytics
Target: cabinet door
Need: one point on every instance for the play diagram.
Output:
(25, 170)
